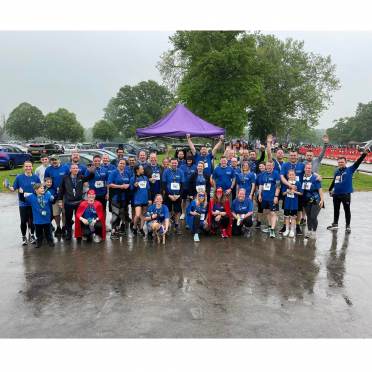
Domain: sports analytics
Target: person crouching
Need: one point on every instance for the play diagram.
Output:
(90, 221)
(197, 213)
(242, 212)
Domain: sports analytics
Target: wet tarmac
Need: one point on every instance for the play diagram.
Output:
(236, 288)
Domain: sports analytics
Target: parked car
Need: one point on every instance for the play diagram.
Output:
(86, 159)
(37, 150)
(99, 152)
(12, 156)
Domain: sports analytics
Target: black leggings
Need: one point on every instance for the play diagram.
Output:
(222, 224)
(197, 227)
(247, 222)
(42, 231)
(26, 220)
(87, 232)
(345, 199)
(103, 201)
(312, 211)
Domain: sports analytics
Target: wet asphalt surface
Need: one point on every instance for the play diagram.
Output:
(236, 288)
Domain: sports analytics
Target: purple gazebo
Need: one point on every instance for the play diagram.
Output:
(179, 122)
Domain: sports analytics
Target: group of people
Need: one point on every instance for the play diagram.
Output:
(151, 198)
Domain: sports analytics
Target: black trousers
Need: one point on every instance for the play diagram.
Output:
(25, 214)
(87, 231)
(345, 200)
(312, 211)
(44, 231)
(197, 227)
(247, 222)
(222, 224)
(70, 210)
(103, 201)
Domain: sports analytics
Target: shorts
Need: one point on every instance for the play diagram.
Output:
(174, 206)
(269, 204)
(185, 194)
(57, 210)
(140, 205)
(290, 212)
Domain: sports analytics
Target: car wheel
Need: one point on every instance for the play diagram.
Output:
(11, 164)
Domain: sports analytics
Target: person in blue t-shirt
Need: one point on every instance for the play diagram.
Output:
(75, 159)
(188, 169)
(259, 215)
(157, 219)
(141, 196)
(299, 169)
(269, 196)
(41, 202)
(172, 184)
(109, 168)
(313, 200)
(198, 215)
(119, 183)
(246, 180)
(242, 212)
(155, 180)
(237, 170)
(24, 184)
(204, 155)
(223, 177)
(341, 189)
(291, 204)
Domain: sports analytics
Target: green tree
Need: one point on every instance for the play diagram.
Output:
(104, 130)
(138, 106)
(62, 125)
(25, 122)
(234, 78)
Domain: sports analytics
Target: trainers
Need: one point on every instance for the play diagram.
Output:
(265, 230)
(258, 224)
(58, 232)
(114, 236)
(142, 232)
(303, 221)
(286, 232)
(134, 231)
(196, 238)
(348, 230)
(334, 226)
(24, 240)
(298, 230)
(272, 233)
(182, 216)
(282, 230)
(97, 238)
(32, 239)
(291, 234)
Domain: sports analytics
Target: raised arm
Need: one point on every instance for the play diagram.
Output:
(191, 145)
(218, 145)
(269, 141)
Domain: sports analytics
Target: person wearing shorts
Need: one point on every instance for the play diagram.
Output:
(261, 168)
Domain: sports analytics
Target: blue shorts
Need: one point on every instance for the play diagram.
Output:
(269, 204)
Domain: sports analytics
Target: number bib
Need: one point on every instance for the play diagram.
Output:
(200, 188)
(290, 195)
(338, 179)
(175, 186)
(142, 184)
(267, 186)
(306, 185)
(156, 176)
(99, 184)
(202, 217)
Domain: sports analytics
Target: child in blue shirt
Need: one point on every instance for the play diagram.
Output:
(41, 203)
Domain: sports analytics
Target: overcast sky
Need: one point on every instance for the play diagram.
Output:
(81, 71)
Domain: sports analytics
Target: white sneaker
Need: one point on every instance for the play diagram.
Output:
(291, 234)
(286, 232)
(182, 217)
(97, 238)
(196, 238)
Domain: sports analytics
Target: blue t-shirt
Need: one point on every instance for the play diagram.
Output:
(310, 187)
(207, 159)
(245, 181)
(291, 199)
(141, 193)
(56, 174)
(242, 207)
(174, 180)
(41, 208)
(278, 165)
(181, 162)
(218, 207)
(188, 171)
(99, 182)
(299, 168)
(343, 183)
(269, 182)
(90, 213)
(162, 212)
(223, 177)
(201, 209)
(156, 186)
(27, 184)
(109, 168)
(119, 178)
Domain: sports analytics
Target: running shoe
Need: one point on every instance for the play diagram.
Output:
(134, 231)
(265, 230)
(334, 226)
(196, 238)
(272, 233)
(286, 233)
(142, 232)
(32, 239)
(298, 230)
(58, 232)
(24, 240)
(114, 236)
(291, 234)
(348, 230)
(258, 224)
(182, 216)
(97, 238)
(282, 230)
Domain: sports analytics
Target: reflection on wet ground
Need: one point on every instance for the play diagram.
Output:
(236, 288)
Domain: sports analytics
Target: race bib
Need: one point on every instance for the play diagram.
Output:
(267, 186)
(26, 194)
(290, 195)
(338, 179)
(205, 165)
(175, 186)
(200, 188)
(306, 185)
(156, 176)
(202, 217)
(142, 184)
(297, 178)
(99, 184)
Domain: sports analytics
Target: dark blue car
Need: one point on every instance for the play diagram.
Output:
(12, 156)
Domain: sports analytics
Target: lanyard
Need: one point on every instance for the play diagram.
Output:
(41, 201)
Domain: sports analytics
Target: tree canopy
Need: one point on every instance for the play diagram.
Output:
(137, 106)
(62, 125)
(235, 79)
(25, 122)
(104, 130)
(355, 128)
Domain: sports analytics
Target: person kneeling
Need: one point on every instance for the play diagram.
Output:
(157, 219)
(90, 219)
(242, 212)
(196, 215)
